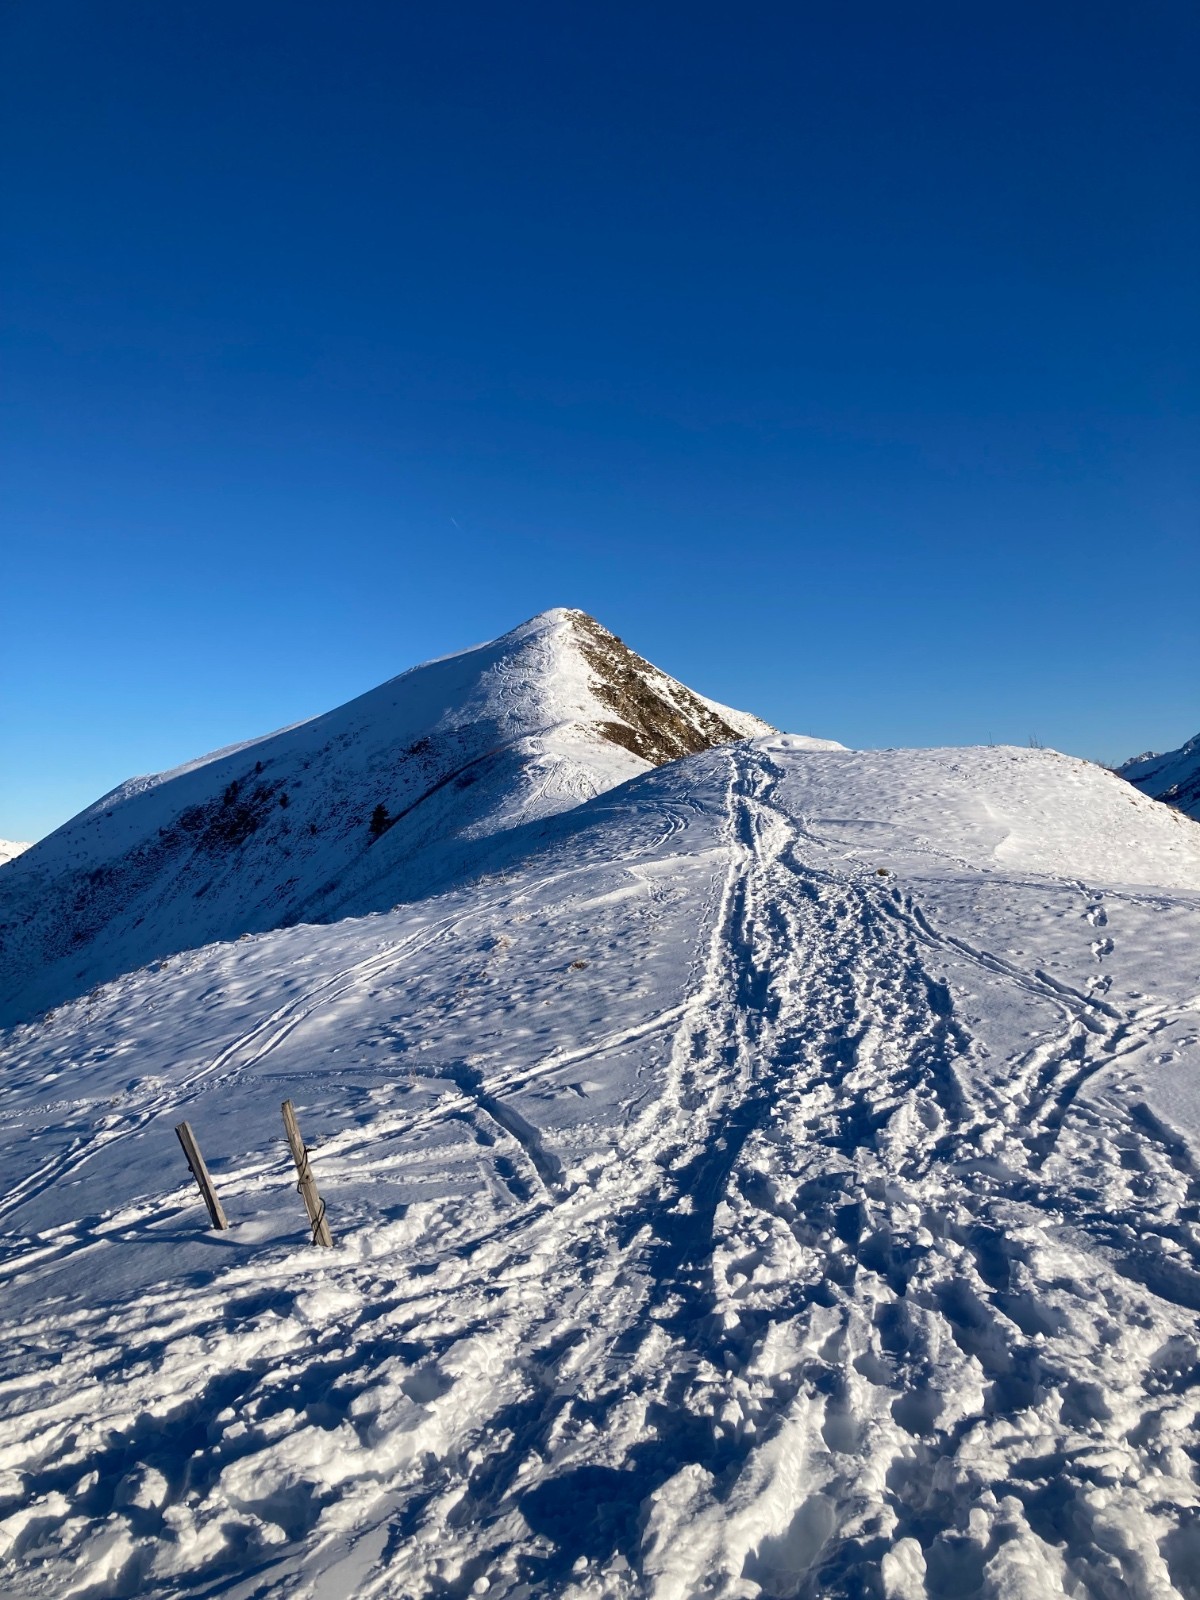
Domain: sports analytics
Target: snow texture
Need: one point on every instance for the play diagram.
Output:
(1173, 777)
(9, 848)
(774, 1176)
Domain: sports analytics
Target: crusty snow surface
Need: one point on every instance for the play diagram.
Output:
(780, 1180)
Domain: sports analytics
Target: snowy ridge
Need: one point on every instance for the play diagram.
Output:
(10, 849)
(1173, 777)
(778, 1177)
(401, 791)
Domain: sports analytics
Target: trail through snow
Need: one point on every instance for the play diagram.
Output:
(735, 1197)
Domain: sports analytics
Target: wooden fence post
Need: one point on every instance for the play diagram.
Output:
(200, 1172)
(307, 1185)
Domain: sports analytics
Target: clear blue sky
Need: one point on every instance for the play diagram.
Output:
(842, 358)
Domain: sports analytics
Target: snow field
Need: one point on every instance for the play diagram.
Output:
(716, 1214)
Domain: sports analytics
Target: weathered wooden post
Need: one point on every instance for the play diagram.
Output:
(307, 1185)
(200, 1172)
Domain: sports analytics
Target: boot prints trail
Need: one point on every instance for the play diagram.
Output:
(807, 1242)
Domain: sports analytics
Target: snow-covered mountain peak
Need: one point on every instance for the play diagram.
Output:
(560, 670)
(10, 849)
(402, 790)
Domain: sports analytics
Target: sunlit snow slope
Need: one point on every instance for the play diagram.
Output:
(1173, 776)
(778, 1178)
(9, 849)
(457, 752)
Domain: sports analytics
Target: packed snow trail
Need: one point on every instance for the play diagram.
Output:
(868, 1265)
(928, 1346)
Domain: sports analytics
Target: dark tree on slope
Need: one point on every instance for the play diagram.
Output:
(380, 821)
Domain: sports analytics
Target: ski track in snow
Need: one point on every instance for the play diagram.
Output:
(239, 1057)
(851, 1305)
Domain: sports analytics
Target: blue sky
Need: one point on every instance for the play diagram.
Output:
(841, 359)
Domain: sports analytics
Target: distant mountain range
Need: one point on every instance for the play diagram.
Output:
(1173, 776)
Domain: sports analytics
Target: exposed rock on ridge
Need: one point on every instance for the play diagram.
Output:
(660, 719)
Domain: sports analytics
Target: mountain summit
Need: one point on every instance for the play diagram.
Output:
(404, 790)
